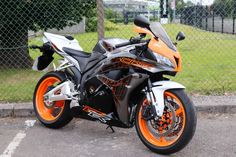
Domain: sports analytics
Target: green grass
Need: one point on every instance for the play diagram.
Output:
(209, 62)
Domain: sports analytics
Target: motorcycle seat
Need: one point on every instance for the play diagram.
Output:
(77, 53)
(86, 60)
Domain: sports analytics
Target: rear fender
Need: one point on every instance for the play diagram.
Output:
(42, 62)
(158, 90)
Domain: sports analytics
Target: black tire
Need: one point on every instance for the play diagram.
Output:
(65, 116)
(188, 131)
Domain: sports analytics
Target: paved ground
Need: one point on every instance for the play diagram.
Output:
(215, 136)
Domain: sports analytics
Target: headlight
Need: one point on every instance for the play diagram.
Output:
(163, 60)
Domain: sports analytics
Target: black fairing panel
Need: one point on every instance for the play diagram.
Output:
(75, 74)
(149, 55)
(99, 47)
(122, 91)
(98, 96)
(93, 60)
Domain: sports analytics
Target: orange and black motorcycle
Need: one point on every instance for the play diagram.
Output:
(121, 83)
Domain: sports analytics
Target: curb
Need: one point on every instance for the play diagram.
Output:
(17, 110)
(229, 109)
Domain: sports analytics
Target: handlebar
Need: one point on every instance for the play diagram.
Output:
(132, 41)
(123, 44)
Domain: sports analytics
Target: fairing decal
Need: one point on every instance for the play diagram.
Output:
(127, 63)
(136, 63)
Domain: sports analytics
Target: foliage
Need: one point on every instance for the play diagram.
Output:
(189, 3)
(91, 25)
(110, 26)
(180, 4)
(19, 16)
(44, 14)
(91, 21)
(109, 13)
(114, 16)
(224, 8)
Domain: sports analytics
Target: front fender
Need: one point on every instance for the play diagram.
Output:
(158, 90)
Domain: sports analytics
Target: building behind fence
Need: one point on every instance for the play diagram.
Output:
(209, 51)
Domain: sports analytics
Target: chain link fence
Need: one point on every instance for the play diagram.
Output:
(209, 51)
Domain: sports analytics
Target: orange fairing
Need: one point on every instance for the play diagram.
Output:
(142, 30)
(158, 46)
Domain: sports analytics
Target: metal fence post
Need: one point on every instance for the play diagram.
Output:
(101, 19)
(206, 18)
(201, 9)
(234, 16)
(233, 25)
(222, 25)
(213, 21)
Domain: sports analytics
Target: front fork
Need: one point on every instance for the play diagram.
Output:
(152, 99)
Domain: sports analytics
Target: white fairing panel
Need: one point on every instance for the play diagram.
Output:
(60, 41)
(158, 89)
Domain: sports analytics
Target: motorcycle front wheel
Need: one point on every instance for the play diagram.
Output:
(171, 132)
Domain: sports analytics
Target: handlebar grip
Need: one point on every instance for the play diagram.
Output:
(123, 44)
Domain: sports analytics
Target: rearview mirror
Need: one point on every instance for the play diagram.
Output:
(180, 36)
(142, 21)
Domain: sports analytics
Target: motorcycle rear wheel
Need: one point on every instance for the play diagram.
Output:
(57, 116)
(153, 134)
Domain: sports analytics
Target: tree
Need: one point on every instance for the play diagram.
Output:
(110, 14)
(234, 9)
(180, 5)
(223, 7)
(189, 3)
(19, 16)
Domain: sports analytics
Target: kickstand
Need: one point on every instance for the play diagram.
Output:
(110, 128)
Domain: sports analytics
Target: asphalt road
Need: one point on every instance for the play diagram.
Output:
(215, 136)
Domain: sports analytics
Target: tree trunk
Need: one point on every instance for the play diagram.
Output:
(13, 47)
(100, 17)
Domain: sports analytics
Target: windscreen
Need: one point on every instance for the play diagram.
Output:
(160, 32)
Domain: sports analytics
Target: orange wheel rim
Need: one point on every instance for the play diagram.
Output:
(163, 141)
(48, 114)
